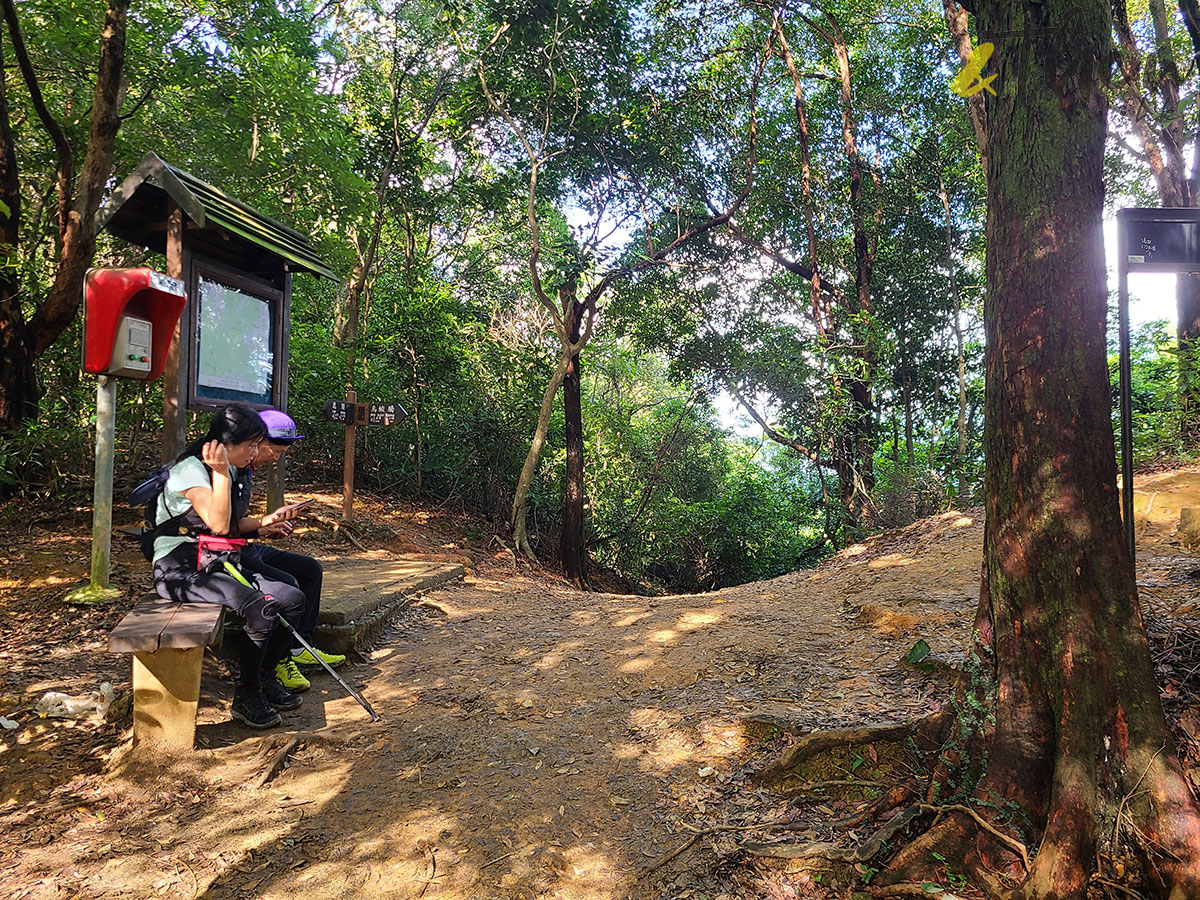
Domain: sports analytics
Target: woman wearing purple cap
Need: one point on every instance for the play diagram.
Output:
(296, 569)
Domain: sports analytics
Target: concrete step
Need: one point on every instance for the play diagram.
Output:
(360, 595)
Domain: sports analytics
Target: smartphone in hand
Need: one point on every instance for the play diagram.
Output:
(294, 506)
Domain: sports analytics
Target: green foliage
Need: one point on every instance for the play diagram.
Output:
(640, 114)
(1155, 370)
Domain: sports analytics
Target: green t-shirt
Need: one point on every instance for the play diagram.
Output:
(183, 476)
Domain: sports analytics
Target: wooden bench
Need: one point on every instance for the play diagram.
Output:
(167, 641)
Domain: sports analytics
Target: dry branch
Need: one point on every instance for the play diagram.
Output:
(1012, 842)
(278, 761)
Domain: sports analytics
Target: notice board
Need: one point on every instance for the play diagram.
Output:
(237, 354)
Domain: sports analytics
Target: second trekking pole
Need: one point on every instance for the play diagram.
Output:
(232, 570)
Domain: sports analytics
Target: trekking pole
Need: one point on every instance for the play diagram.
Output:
(232, 570)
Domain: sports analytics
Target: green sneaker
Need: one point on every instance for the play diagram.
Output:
(289, 676)
(306, 660)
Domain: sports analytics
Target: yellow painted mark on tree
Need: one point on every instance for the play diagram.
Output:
(969, 81)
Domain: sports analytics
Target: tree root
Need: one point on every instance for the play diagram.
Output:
(927, 732)
(988, 863)
(340, 529)
(699, 833)
(821, 741)
(895, 798)
(864, 852)
(1017, 847)
(905, 889)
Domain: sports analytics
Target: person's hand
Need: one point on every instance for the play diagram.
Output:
(214, 456)
(277, 529)
(283, 514)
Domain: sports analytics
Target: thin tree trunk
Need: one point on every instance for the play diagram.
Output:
(909, 449)
(819, 317)
(574, 552)
(1187, 326)
(22, 343)
(18, 382)
(862, 411)
(533, 457)
(79, 232)
(960, 461)
(957, 26)
(1161, 135)
(420, 442)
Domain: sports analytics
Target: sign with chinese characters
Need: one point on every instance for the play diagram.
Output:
(1152, 242)
(340, 411)
(346, 412)
(385, 413)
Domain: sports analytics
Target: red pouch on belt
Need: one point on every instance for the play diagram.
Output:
(213, 548)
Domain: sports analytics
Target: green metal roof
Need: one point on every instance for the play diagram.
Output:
(137, 212)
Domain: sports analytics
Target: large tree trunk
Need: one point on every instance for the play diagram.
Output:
(79, 231)
(1080, 741)
(574, 551)
(18, 397)
(20, 343)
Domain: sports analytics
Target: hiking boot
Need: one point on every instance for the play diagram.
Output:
(289, 676)
(279, 696)
(306, 660)
(251, 707)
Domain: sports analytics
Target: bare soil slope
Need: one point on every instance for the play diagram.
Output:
(536, 742)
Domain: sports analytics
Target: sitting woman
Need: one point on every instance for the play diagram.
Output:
(295, 569)
(208, 486)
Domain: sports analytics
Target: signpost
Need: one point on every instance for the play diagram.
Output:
(351, 414)
(1148, 240)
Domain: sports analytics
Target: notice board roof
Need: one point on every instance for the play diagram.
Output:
(219, 226)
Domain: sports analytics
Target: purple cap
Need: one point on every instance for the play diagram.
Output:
(280, 426)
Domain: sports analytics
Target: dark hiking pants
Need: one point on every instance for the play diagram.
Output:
(176, 578)
(295, 569)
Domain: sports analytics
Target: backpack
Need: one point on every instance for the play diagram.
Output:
(146, 494)
(188, 522)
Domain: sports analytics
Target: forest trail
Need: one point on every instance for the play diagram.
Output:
(536, 741)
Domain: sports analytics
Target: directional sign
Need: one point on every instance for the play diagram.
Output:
(385, 413)
(1160, 240)
(340, 411)
(347, 412)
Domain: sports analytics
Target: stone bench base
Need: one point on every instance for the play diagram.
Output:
(167, 641)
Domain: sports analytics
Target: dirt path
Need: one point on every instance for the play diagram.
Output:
(537, 741)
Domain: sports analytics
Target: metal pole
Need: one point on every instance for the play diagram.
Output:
(1126, 390)
(98, 591)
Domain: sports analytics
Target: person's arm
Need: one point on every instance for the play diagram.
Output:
(214, 504)
(271, 524)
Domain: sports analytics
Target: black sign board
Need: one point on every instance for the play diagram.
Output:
(1163, 240)
(340, 411)
(344, 412)
(385, 413)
